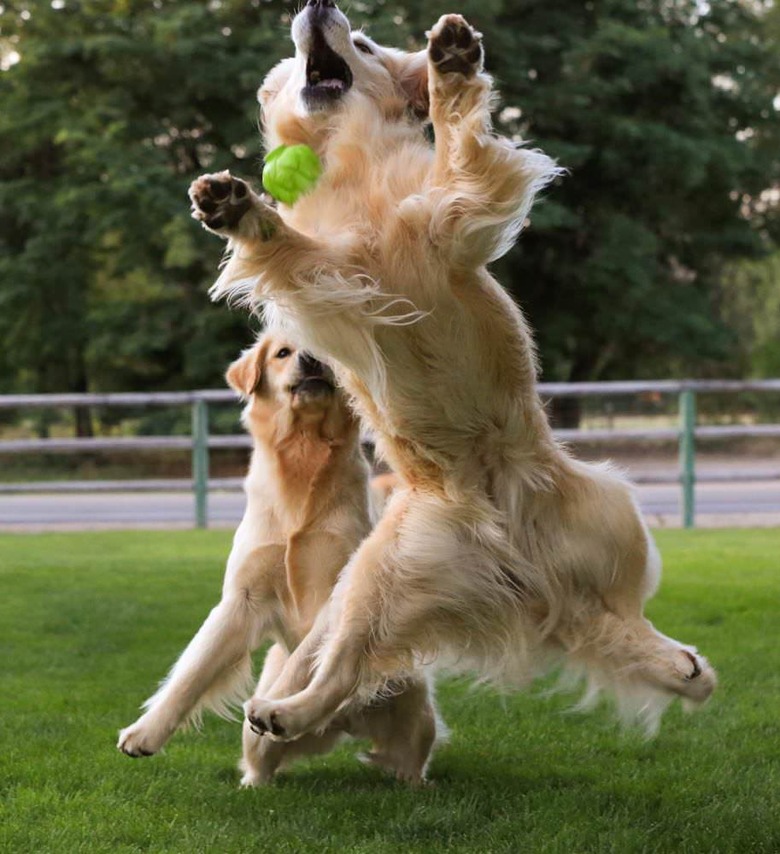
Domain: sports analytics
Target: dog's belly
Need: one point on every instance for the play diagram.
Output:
(455, 450)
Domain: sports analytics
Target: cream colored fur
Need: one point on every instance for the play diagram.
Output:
(499, 553)
(307, 510)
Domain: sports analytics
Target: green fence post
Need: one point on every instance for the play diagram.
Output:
(688, 456)
(200, 461)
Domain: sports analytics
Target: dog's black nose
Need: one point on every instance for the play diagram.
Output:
(323, 4)
(309, 366)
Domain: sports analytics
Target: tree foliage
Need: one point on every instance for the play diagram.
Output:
(665, 118)
(111, 110)
(662, 110)
(751, 308)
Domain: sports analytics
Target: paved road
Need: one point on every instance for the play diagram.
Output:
(724, 504)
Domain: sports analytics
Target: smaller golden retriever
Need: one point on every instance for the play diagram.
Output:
(307, 511)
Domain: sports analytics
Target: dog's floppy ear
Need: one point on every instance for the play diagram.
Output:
(245, 374)
(275, 81)
(413, 80)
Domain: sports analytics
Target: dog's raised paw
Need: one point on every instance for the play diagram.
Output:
(219, 200)
(454, 46)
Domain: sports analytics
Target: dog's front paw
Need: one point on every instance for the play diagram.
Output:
(254, 779)
(219, 200)
(454, 46)
(266, 717)
(282, 720)
(141, 739)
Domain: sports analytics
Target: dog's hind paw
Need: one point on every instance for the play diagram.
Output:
(404, 772)
(698, 677)
(138, 740)
(454, 46)
(254, 780)
(219, 200)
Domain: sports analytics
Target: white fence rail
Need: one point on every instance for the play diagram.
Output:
(199, 442)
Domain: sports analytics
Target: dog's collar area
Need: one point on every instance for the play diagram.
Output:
(328, 76)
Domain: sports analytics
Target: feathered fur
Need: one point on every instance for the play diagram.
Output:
(499, 552)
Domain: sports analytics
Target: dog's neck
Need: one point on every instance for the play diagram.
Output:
(376, 125)
(367, 143)
(305, 456)
(301, 454)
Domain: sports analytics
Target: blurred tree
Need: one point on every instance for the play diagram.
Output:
(113, 107)
(751, 307)
(664, 114)
(661, 109)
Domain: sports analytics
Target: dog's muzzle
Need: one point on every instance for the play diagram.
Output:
(328, 76)
(315, 380)
(316, 7)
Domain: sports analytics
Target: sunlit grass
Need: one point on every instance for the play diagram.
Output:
(90, 622)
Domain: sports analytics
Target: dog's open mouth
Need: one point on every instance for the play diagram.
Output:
(313, 386)
(328, 76)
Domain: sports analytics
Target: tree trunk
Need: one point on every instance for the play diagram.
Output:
(83, 417)
(42, 421)
(565, 412)
(82, 414)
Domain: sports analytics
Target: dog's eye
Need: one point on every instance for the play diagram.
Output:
(364, 48)
(283, 353)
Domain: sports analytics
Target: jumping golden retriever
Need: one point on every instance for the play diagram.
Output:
(499, 553)
(307, 510)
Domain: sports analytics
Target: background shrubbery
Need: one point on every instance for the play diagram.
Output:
(654, 257)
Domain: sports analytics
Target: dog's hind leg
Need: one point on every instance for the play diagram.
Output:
(403, 728)
(262, 756)
(641, 667)
(403, 725)
(431, 575)
(316, 681)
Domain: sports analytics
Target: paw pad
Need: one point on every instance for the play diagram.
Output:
(261, 727)
(455, 47)
(219, 200)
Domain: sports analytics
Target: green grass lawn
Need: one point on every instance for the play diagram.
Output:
(90, 622)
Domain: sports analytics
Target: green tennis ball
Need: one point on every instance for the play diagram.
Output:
(290, 171)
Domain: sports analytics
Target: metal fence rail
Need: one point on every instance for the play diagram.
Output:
(199, 442)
